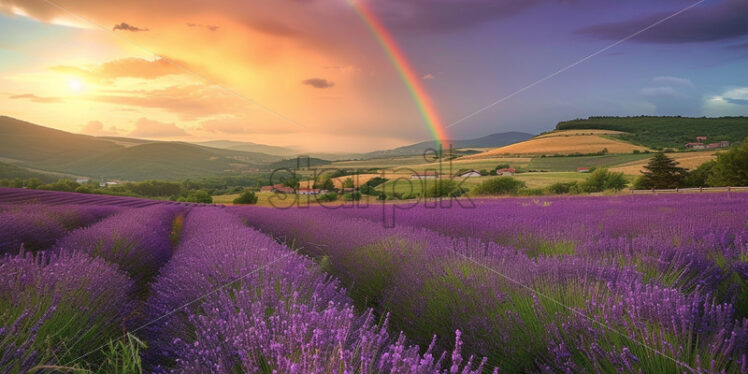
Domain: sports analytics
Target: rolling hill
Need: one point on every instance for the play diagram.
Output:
(32, 146)
(490, 141)
(563, 143)
(665, 132)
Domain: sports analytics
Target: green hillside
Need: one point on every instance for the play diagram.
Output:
(155, 161)
(41, 146)
(8, 171)
(665, 132)
(31, 146)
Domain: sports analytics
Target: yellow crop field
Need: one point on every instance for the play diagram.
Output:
(688, 160)
(550, 145)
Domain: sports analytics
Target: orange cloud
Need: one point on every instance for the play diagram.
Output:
(36, 99)
(96, 128)
(123, 68)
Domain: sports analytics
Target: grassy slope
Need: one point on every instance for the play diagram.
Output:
(666, 132)
(8, 171)
(572, 163)
(153, 161)
(43, 147)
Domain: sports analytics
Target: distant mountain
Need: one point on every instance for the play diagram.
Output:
(249, 147)
(297, 163)
(490, 141)
(32, 146)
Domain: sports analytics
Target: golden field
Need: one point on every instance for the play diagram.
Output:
(562, 144)
(688, 160)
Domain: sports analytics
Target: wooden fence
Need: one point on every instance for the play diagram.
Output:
(691, 190)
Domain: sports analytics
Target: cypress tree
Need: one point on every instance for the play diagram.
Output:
(662, 172)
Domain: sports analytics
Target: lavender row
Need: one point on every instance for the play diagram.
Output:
(54, 308)
(138, 241)
(37, 227)
(688, 242)
(432, 283)
(277, 312)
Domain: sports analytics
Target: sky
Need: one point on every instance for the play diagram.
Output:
(311, 74)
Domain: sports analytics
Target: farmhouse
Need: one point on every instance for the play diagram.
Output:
(506, 171)
(695, 145)
(583, 169)
(310, 191)
(469, 174)
(428, 174)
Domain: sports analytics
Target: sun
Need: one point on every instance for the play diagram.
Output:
(75, 85)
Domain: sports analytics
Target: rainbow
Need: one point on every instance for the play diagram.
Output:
(407, 73)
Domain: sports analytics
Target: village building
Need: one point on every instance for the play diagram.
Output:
(695, 145)
(310, 191)
(469, 174)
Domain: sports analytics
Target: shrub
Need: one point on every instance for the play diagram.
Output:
(602, 179)
(499, 186)
(561, 187)
(247, 197)
(330, 196)
(198, 197)
(444, 188)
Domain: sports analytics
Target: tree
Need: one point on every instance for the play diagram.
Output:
(247, 197)
(661, 172)
(291, 182)
(327, 184)
(698, 177)
(602, 179)
(348, 183)
(199, 197)
(731, 168)
(499, 186)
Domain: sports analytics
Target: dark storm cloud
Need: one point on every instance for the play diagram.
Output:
(703, 23)
(127, 27)
(318, 83)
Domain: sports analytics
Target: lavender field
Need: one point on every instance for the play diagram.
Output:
(650, 284)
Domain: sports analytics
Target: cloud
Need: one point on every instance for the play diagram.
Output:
(733, 102)
(725, 20)
(127, 27)
(96, 128)
(123, 68)
(318, 83)
(36, 99)
(738, 96)
(188, 102)
(429, 77)
(200, 25)
(147, 128)
(673, 81)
